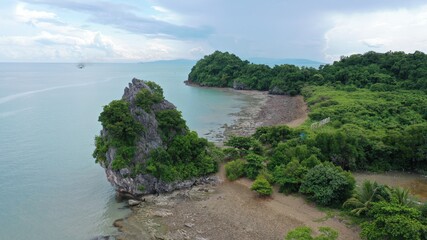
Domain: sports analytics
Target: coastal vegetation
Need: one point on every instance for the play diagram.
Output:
(376, 71)
(367, 112)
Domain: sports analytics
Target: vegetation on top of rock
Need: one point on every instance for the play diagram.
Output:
(171, 124)
(146, 98)
(122, 131)
(187, 156)
(119, 123)
(174, 153)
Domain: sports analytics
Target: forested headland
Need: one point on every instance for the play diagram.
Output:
(377, 71)
(376, 103)
(366, 112)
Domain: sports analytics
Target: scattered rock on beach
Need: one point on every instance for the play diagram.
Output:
(132, 202)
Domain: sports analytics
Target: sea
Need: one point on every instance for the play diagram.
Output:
(50, 186)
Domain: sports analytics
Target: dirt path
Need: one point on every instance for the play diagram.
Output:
(235, 212)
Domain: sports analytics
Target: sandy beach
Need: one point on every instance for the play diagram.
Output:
(230, 210)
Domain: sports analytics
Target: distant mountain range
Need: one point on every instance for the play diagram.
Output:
(267, 61)
(279, 61)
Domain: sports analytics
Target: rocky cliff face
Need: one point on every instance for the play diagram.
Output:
(125, 180)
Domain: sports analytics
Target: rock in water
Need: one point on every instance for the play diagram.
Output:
(131, 133)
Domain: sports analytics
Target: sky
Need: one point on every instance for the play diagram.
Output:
(148, 30)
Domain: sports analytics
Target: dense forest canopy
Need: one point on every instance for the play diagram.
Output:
(376, 71)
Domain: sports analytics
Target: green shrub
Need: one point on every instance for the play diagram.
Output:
(311, 162)
(305, 233)
(146, 98)
(101, 148)
(394, 222)
(254, 164)
(285, 152)
(327, 184)
(262, 186)
(274, 134)
(155, 88)
(289, 177)
(231, 153)
(267, 175)
(119, 123)
(361, 201)
(188, 156)
(240, 142)
(235, 169)
(171, 124)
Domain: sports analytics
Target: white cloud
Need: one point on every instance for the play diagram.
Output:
(25, 15)
(57, 41)
(48, 38)
(374, 42)
(395, 30)
(197, 51)
(167, 15)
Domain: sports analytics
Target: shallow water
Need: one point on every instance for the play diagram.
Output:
(415, 183)
(50, 187)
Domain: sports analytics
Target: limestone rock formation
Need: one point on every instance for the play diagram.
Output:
(127, 180)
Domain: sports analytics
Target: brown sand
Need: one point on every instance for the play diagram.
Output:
(231, 210)
(227, 211)
(264, 109)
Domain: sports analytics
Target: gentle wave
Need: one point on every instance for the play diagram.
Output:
(23, 94)
(12, 113)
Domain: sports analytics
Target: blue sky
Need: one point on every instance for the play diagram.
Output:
(147, 30)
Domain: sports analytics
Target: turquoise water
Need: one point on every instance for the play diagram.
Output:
(50, 187)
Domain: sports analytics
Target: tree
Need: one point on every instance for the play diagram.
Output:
(240, 142)
(118, 121)
(254, 164)
(289, 177)
(327, 184)
(170, 123)
(392, 221)
(235, 169)
(146, 98)
(362, 200)
(311, 162)
(262, 186)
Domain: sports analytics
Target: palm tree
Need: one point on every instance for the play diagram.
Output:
(401, 196)
(361, 201)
